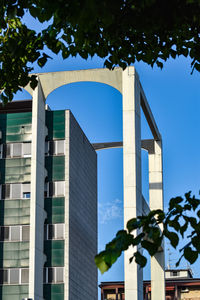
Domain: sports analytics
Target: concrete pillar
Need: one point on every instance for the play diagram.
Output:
(132, 174)
(156, 202)
(36, 256)
(66, 260)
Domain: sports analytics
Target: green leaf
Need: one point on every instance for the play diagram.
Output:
(183, 228)
(159, 64)
(196, 242)
(175, 224)
(33, 82)
(12, 11)
(133, 224)
(150, 247)
(140, 259)
(174, 201)
(190, 255)
(172, 236)
(100, 263)
(178, 262)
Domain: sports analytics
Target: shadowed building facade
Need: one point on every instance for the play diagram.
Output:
(48, 205)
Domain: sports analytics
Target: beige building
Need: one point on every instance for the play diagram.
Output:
(179, 285)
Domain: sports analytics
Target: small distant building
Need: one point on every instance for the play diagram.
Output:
(179, 285)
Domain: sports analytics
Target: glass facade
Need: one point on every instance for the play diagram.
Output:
(15, 197)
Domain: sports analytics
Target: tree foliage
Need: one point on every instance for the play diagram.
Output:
(182, 221)
(119, 31)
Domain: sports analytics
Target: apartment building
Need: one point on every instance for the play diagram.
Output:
(48, 206)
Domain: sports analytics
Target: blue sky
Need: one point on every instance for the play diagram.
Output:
(174, 97)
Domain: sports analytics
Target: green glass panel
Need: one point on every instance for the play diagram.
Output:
(16, 127)
(55, 208)
(15, 170)
(17, 203)
(14, 212)
(14, 254)
(18, 138)
(55, 166)
(18, 162)
(13, 292)
(53, 291)
(24, 115)
(16, 246)
(55, 122)
(54, 251)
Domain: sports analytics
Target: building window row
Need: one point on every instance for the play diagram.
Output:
(14, 150)
(56, 147)
(15, 233)
(54, 189)
(53, 275)
(54, 232)
(15, 191)
(14, 276)
(23, 190)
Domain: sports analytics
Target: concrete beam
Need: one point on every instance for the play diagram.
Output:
(149, 116)
(145, 144)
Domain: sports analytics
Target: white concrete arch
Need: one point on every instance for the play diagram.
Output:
(53, 80)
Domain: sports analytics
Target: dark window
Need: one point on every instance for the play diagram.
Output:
(4, 151)
(51, 232)
(5, 233)
(51, 148)
(44, 275)
(1, 233)
(1, 276)
(8, 152)
(51, 275)
(174, 273)
(5, 276)
(27, 195)
(51, 189)
(45, 232)
(7, 191)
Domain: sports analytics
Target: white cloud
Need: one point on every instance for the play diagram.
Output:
(110, 211)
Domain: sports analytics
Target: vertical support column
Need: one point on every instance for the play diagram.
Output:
(132, 174)
(102, 293)
(156, 202)
(36, 256)
(66, 261)
(117, 295)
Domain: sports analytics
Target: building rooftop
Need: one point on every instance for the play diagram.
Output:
(16, 107)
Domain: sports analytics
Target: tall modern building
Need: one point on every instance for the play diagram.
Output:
(48, 192)
(48, 205)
